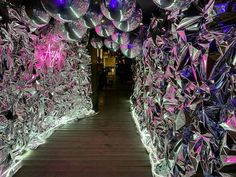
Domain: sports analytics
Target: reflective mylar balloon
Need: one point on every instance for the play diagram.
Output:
(94, 16)
(35, 15)
(66, 10)
(106, 28)
(132, 49)
(111, 45)
(120, 37)
(132, 23)
(72, 31)
(118, 10)
(172, 4)
(97, 43)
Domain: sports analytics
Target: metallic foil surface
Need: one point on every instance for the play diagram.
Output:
(44, 83)
(184, 98)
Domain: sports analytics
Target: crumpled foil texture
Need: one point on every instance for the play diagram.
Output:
(36, 96)
(184, 98)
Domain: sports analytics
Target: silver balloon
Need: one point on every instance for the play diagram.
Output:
(97, 43)
(66, 10)
(111, 45)
(35, 15)
(94, 16)
(118, 10)
(106, 28)
(172, 4)
(132, 23)
(120, 37)
(132, 49)
(72, 31)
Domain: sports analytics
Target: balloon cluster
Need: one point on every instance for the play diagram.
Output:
(120, 19)
(111, 19)
(97, 43)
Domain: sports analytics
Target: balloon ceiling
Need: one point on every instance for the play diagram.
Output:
(118, 10)
(66, 10)
(112, 20)
(37, 16)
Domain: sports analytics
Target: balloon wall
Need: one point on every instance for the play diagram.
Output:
(184, 96)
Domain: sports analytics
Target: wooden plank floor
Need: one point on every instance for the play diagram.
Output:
(105, 145)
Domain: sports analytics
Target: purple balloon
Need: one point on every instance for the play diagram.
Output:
(106, 29)
(132, 49)
(35, 16)
(132, 23)
(72, 31)
(118, 10)
(111, 45)
(93, 17)
(97, 43)
(66, 10)
(120, 37)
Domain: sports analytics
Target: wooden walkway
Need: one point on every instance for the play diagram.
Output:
(105, 145)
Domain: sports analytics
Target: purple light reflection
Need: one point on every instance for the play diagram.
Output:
(113, 4)
(61, 2)
(230, 159)
(221, 7)
(130, 46)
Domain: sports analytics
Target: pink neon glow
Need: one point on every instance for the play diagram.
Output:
(231, 122)
(230, 159)
(182, 35)
(49, 53)
(97, 30)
